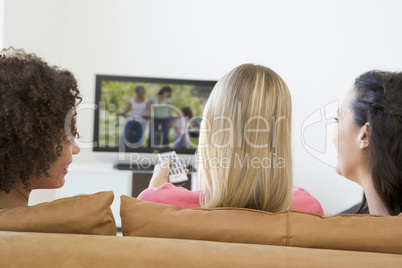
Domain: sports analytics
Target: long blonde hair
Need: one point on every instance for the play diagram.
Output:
(244, 152)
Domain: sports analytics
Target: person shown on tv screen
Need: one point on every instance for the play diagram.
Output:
(244, 151)
(138, 108)
(181, 128)
(161, 115)
(38, 125)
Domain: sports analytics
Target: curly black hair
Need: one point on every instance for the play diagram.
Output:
(35, 101)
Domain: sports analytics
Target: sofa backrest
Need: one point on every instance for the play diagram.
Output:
(19, 249)
(289, 228)
(81, 214)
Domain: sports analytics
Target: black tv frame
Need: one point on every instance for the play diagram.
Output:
(153, 150)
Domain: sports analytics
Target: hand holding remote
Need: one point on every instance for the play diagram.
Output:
(161, 173)
(177, 172)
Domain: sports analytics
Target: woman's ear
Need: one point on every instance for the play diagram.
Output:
(364, 136)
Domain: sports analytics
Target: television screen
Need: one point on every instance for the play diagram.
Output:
(140, 114)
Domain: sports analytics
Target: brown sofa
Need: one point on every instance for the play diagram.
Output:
(157, 235)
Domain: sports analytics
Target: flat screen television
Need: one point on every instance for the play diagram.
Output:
(138, 117)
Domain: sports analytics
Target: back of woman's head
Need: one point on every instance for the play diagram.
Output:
(245, 141)
(379, 102)
(35, 100)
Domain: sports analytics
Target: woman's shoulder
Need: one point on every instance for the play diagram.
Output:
(169, 194)
(303, 200)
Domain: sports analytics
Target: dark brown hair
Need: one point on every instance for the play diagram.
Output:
(379, 102)
(187, 112)
(35, 101)
(164, 89)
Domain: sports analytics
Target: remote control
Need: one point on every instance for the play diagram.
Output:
(176, 173)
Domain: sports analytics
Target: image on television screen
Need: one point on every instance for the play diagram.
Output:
(144, 114)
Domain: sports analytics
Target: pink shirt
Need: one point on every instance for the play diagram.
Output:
(183, 198)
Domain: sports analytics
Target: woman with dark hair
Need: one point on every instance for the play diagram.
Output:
(138, 107)
(38, 125)
(368, 138)
(161, 117)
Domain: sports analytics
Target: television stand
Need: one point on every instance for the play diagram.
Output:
(142, 175)
(142, 168)
(135, 168)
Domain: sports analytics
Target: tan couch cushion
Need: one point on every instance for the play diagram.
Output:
(69, 250)
(148, 219)
(373, 233)
(83, 214)
(288, 228)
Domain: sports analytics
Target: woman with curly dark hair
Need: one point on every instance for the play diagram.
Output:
(38, 127)
(369, 140)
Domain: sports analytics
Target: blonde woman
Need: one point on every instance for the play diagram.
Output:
(244, 151)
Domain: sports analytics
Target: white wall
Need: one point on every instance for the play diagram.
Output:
(35, 26)
(1, 22)
(318, 47)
